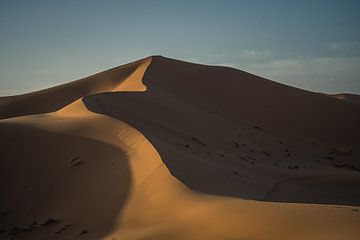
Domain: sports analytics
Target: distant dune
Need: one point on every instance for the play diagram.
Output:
(348, 97)
(165, 149)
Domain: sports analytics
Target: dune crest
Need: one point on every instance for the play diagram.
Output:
(75, 109)
(124, 78)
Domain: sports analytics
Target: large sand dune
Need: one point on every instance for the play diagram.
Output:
(164, 149)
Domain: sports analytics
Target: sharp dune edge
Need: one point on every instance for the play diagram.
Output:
(164, 149)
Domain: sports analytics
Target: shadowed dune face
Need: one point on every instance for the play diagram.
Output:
(238, 96)
(62, 177)
(223, 131)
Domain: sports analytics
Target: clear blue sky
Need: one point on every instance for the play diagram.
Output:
(309, 44)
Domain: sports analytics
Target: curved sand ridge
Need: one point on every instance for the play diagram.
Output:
(227, 132)
(100, 178)
(124, 78)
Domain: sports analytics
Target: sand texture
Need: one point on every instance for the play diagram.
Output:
(164, 149)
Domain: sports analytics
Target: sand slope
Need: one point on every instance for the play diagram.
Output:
(124, 78)
(82, 172)
(224, 131)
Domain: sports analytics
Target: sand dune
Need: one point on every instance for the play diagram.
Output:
(124, 78)
(348, 97)
(223, 138)
(163, 149)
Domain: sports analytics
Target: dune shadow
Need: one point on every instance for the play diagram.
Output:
(171, 143)
(173, 112)
(70, 184)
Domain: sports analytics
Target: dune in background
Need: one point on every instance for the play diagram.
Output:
(164, 149)
(348, 97)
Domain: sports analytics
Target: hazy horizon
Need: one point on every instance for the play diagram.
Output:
(314, 46)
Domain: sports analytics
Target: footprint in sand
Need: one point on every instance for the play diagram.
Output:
(244, 159)
(75, 161)
(266, 153)
(340, 152)
(347, 166)
(66, 226)
(293, 167)
(258, 128)
(198, 141)
(237, 145)
(49, 222)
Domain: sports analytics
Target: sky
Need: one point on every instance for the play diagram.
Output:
(310, 44)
